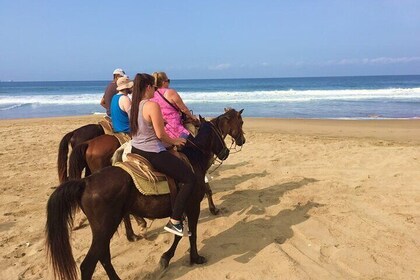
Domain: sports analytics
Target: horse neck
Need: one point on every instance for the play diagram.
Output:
(198, 158)
(216, 122)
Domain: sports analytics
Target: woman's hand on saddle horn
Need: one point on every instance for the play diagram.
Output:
(179, 142)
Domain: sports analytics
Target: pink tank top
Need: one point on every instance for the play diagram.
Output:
(173, 126)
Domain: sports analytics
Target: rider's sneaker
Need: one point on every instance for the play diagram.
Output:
(175, 228)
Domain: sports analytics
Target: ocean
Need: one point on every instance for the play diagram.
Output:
(364, 97)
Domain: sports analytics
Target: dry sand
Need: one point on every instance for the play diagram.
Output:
(304, 199)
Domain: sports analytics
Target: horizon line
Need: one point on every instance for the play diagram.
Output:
(183, 79)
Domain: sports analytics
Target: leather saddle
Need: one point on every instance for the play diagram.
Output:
(147, 179)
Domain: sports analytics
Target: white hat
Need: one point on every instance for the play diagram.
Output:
(123, 83)
(119, 71)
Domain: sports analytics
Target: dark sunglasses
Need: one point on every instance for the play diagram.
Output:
(168, 80)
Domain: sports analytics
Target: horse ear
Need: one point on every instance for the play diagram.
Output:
(202, 120)
(226, 109)
(240, 112)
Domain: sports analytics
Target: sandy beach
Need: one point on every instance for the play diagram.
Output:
(304, 199)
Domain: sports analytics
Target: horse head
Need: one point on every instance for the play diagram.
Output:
(230, 123)
(211, 134)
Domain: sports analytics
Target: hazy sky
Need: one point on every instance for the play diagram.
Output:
(86, 40)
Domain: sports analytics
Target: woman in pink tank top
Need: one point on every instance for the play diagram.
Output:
(171, 105)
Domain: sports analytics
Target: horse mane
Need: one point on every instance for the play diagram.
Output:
(229, 112)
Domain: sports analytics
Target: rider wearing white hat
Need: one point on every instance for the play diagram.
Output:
(111, 90)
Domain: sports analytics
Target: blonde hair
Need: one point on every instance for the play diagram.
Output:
(160, 77)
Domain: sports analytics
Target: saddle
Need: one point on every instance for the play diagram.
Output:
(106, 124)
(147, 180)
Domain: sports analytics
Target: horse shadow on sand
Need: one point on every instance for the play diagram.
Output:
(248, 237)
(215, 170)
(229, 183)
(152, 234)
(258, 199)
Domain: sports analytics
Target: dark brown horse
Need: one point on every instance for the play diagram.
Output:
(74, 138)
(108, 195)
(92, 156)
(95, 154)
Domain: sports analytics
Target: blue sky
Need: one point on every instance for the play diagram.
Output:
(86, 40)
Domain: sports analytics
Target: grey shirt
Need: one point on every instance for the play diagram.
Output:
(110, 91)
(145, 139)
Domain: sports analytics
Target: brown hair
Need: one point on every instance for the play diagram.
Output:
(141, 81)
(160, 77)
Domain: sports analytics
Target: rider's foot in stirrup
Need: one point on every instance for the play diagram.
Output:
(175, 228)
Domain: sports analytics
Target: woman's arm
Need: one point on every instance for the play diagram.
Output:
(151, 112)
(174, 97)
(103, 102)
(125, 103)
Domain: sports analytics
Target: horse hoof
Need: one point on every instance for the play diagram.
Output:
(198, 260)
(214, 211)
(163, 263)
(133, 238)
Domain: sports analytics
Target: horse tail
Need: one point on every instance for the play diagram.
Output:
(77, 161)
(63, 150)
(61, 206)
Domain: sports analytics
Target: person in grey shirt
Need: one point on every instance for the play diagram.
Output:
(111, 90)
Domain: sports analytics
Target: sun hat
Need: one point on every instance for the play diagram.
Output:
(123, 83)
(118, 71)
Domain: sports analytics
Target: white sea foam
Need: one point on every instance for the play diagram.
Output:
(301, 96)
(9, 107)
(392, 94)
(79, 99)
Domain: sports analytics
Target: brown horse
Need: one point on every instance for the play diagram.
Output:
(108, 195)
(92, 155)
(74, 138)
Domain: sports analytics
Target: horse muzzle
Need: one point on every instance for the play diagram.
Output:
(240, 140)
(224, 153)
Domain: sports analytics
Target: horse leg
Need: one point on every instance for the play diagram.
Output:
(193, 215)
(209, 195)
(89, 263)
(167, 256)
(106, 263)
(99, 249)
(131, 236)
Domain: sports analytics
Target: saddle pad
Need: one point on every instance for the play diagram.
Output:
(143, 184)
(106, 125)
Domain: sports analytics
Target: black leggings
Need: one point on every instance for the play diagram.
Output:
(172, 166)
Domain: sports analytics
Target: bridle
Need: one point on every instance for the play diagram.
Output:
(224, 153)
(225, 149)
